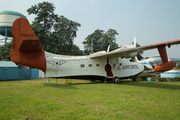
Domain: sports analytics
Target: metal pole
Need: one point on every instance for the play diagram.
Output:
(5, 35)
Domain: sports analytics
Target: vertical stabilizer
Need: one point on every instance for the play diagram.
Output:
(27, 48)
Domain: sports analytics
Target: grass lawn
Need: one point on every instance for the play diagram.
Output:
(42, 100)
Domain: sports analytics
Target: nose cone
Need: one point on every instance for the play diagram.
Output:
(165, 66)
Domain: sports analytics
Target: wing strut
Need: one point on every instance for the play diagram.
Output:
(163, 53)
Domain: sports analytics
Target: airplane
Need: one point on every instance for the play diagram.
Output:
(145, 63)
(149, 63)
(102, 65)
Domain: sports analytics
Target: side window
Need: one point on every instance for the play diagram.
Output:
(90, 65)
(82, 65)
(97, 65)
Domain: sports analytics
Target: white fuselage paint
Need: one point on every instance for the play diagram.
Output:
(67, 66)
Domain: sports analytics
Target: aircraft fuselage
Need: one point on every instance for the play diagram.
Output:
(84, 67)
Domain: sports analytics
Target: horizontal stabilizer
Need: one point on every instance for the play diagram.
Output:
(30, 46)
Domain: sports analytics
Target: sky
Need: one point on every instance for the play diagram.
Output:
(150, 21)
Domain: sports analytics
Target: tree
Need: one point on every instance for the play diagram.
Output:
(56, 33)
(5, 52)
(109, 39)
(101, 41)
(96, 38)
(76, 51)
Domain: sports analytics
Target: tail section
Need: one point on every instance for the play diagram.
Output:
(27, 48)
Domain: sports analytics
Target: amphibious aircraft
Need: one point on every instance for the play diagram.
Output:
(102, 65)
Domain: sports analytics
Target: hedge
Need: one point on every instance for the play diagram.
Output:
(155, 78)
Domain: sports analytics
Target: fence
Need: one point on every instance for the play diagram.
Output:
(8, 73)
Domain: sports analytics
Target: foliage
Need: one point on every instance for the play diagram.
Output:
(142, 77)
(160, 79)
(56, 33)
(39, 100)
(5, 51)
(101, 41)
(177, 78)
(155, 78)
(145, 76)
(76, 51)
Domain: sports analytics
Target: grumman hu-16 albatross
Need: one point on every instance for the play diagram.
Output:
(27, 51)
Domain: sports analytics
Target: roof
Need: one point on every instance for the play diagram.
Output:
(7, 64)
(8, 12)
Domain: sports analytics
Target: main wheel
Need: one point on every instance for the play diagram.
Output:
(116, 80)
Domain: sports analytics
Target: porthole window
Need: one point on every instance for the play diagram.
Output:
(90, 65)
(82, 65)
(97, 65)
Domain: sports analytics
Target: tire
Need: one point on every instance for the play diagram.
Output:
(116, 80)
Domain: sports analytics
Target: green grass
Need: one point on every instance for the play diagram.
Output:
(40, 100)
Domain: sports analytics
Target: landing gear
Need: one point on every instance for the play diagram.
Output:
(93, 81)
(116, 80)
(135, 78)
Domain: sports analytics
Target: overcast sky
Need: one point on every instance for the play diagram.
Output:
(150, 21)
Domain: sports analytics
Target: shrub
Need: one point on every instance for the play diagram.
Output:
(155, 78)
(177, 79)
(144, 76)
(165, 79)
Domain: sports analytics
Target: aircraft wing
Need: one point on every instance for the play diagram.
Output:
(128, 51)
(117, 53)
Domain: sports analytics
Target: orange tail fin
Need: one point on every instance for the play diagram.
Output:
(27, 48)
